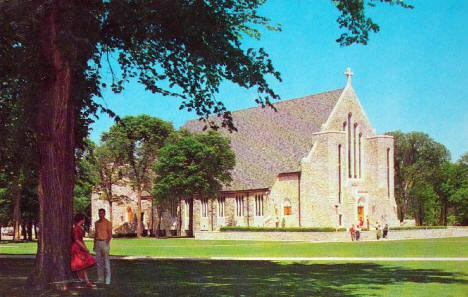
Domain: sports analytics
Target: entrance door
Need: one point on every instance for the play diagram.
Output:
(360, 214)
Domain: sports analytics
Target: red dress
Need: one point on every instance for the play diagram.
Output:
(79, 259)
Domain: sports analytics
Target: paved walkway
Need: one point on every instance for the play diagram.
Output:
(373, 259)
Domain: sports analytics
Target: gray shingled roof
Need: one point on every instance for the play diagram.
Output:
(268, 143)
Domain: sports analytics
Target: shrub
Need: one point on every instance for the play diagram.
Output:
(417, 227)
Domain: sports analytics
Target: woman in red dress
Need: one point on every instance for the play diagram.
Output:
(81, 259)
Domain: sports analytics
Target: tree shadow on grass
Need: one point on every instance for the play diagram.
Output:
(236, 278)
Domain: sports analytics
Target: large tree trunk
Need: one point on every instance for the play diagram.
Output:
(55, 143)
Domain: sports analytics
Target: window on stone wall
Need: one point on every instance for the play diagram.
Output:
(186, 210)
(259, 205)
(221, 203)
(204, 207)
(349, 145)
(360, 154)
(240, 205)
(340, 218)
(354, 149)
(287, 209)
(129, 215)
(339, 173)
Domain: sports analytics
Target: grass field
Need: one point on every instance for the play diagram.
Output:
(259, 278)
(206, 277)
(180, 247)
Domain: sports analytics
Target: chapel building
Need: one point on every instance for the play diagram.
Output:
(316, 162)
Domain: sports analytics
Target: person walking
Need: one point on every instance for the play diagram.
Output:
(358, 232)
(102, 238)
(353, 232)
(385, 231)
(81, 259)
(379, 230)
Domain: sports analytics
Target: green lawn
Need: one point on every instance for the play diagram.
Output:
(206, 277)
(259, 278)
(180, 247)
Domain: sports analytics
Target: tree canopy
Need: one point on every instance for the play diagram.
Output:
(193, 164)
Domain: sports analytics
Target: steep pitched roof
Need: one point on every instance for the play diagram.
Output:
(269, 143)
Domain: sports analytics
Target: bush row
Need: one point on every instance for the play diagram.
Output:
(417, 227)
(319, 229)
(290, 229)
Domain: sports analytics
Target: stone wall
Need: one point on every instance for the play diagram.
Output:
(124, 212)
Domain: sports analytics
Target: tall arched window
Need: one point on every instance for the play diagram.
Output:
(339, 173)
(129, 215)
(204, 207)
(221, 204)
(360, 154)
(240, 205)
(259, 205)
(349, 145)
(354, 149)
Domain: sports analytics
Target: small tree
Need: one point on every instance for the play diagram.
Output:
(193, 164)
(137, 140)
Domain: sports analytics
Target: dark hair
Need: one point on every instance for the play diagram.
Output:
(102, 209)
(79, 217)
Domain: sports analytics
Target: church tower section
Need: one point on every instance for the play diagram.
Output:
(347, 178)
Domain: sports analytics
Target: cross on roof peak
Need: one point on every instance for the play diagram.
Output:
(348, 74)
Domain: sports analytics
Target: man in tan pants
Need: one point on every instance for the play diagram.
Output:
(102, 238)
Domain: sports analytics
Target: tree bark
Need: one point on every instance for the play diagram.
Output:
(151, 231)
(56, 144)
(159, 221)
(190, 217)
(179, 223)
(111, 214)
(29, 229)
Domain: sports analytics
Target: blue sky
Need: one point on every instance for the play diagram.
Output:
(412, 76)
